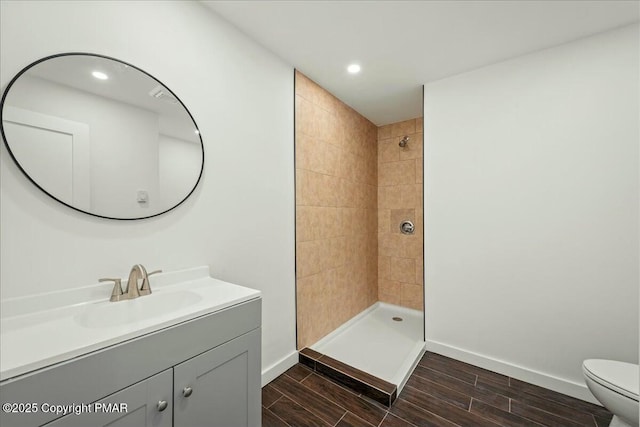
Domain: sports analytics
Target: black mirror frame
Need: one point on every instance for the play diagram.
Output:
(15, 160)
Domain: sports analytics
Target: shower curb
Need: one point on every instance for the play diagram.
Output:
(361, 382)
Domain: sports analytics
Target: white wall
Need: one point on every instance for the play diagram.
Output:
(124, 143)
(240, 96)
(531, 209)
(178, 168)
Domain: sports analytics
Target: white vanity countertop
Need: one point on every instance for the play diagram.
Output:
(41, 330)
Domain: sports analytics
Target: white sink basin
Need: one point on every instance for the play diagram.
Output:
(113, 314)
(41, 330)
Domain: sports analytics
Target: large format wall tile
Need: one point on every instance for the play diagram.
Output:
(336, 212)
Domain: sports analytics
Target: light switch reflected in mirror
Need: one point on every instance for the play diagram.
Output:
(102, 136)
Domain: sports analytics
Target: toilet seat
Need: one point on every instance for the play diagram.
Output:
(619, 377)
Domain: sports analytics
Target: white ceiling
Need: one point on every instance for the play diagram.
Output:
(402, 45)
(125, 84)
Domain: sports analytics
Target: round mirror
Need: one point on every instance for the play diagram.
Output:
(101, 136)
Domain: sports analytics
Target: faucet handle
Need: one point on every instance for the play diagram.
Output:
(116, 293)
(145, 289)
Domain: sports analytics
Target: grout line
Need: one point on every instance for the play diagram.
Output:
(277, 416)
(438, 383)
(427, 411)
(426, 393)
(313, 392)
(386, 414)
(530, 394)
(274, 402)
(289, 376)
(295, 400)
(554, 414)
(400, 418)
(307, 376)
(343, 415)
(457, 391)
(464, 366)
(546, 396)
(439, 372)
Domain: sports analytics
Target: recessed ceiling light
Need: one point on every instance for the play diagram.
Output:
(353, 68)
(99, 75)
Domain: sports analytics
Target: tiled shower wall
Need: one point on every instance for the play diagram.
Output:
(400, 256)
(336, 212)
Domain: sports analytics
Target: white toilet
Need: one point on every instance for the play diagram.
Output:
(615, 385)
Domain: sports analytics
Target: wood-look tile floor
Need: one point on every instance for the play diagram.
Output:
(441, 392)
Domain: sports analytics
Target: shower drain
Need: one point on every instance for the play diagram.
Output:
(397, 319)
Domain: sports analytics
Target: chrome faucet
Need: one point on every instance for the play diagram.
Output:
(132, 291)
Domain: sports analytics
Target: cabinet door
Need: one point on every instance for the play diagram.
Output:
(220, 388)
(142, 408)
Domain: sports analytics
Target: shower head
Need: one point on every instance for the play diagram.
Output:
(404, 141)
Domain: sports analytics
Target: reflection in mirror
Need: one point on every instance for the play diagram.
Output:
(102, 136)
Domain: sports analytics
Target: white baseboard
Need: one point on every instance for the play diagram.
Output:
(272, 372)
(570, 388)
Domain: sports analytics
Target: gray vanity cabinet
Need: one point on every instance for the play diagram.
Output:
(206, 369)
(217, 388)
(143, 401)
(214, 389)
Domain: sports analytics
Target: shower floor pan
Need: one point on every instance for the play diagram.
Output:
(374, 353)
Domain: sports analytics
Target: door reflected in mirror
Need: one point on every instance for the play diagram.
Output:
(102, 136)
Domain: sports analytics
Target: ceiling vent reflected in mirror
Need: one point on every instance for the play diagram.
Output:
(159, 92)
